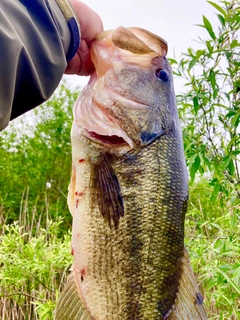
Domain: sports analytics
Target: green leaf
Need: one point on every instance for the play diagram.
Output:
(172, 61)
(234, 44)
(212, 78)
(227, 95)
(221, 19)
(235, 120)
(192, 63)
(228, 54)
(231, 113)
(213, 182)
(177, 73)
(215, 192)
(225, 162)
(201, 170)
(215, 93)
(210, 48)
(205, 161)
(220, 9)
(232, 143)
(190, 52)
(209, 28)
(199, 53)
(194, 167)
(191, 160)
(195, 104)
(231, 167)
(234, 286)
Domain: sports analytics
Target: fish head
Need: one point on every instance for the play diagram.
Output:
(129, 101)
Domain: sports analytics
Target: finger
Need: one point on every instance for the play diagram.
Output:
(91, 25)
(90, 22)
(81, 63)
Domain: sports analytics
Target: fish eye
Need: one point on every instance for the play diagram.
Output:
(162, 75)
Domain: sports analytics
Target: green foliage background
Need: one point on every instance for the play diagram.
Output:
(35, 168)
(35, 221)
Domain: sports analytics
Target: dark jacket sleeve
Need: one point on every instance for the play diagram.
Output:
(37, 38)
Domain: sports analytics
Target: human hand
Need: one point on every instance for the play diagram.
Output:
(91, 25)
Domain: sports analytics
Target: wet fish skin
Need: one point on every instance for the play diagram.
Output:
(132, 276)
(153, 108)
(153, 183)
(128, 201)
(154, 189)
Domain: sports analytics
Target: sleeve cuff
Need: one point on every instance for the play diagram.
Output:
(73, 26)
(75, 38)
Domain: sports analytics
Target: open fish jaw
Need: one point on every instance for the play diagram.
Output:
(119, 100)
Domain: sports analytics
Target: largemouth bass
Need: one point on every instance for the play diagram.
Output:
(129, 189)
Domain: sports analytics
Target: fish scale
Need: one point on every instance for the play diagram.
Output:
(130, 273)
(157, 220)
(129, 191)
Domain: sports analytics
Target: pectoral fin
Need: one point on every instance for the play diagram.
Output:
(107, 192)
(70, 306)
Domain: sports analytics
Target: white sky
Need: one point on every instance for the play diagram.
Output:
(173, 20)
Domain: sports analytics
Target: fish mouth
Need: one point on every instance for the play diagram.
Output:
(107, 114)
(113, 140)
(117, 141)
(94, 119)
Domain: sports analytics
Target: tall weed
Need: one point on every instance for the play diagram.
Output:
(213, 241)
(35, 263)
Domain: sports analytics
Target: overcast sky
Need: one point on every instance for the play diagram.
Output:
(173, 20)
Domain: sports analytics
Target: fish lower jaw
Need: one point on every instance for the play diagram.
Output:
(113, 141)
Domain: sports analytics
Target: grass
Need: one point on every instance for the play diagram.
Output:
(34, 268)
(213, 241)
(35, 258)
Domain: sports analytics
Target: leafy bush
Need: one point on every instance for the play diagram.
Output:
(35, 255)
(35, 154)
(213, 241)
(36, 259)
(33, 269)
(210, 107)
(210, 114)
